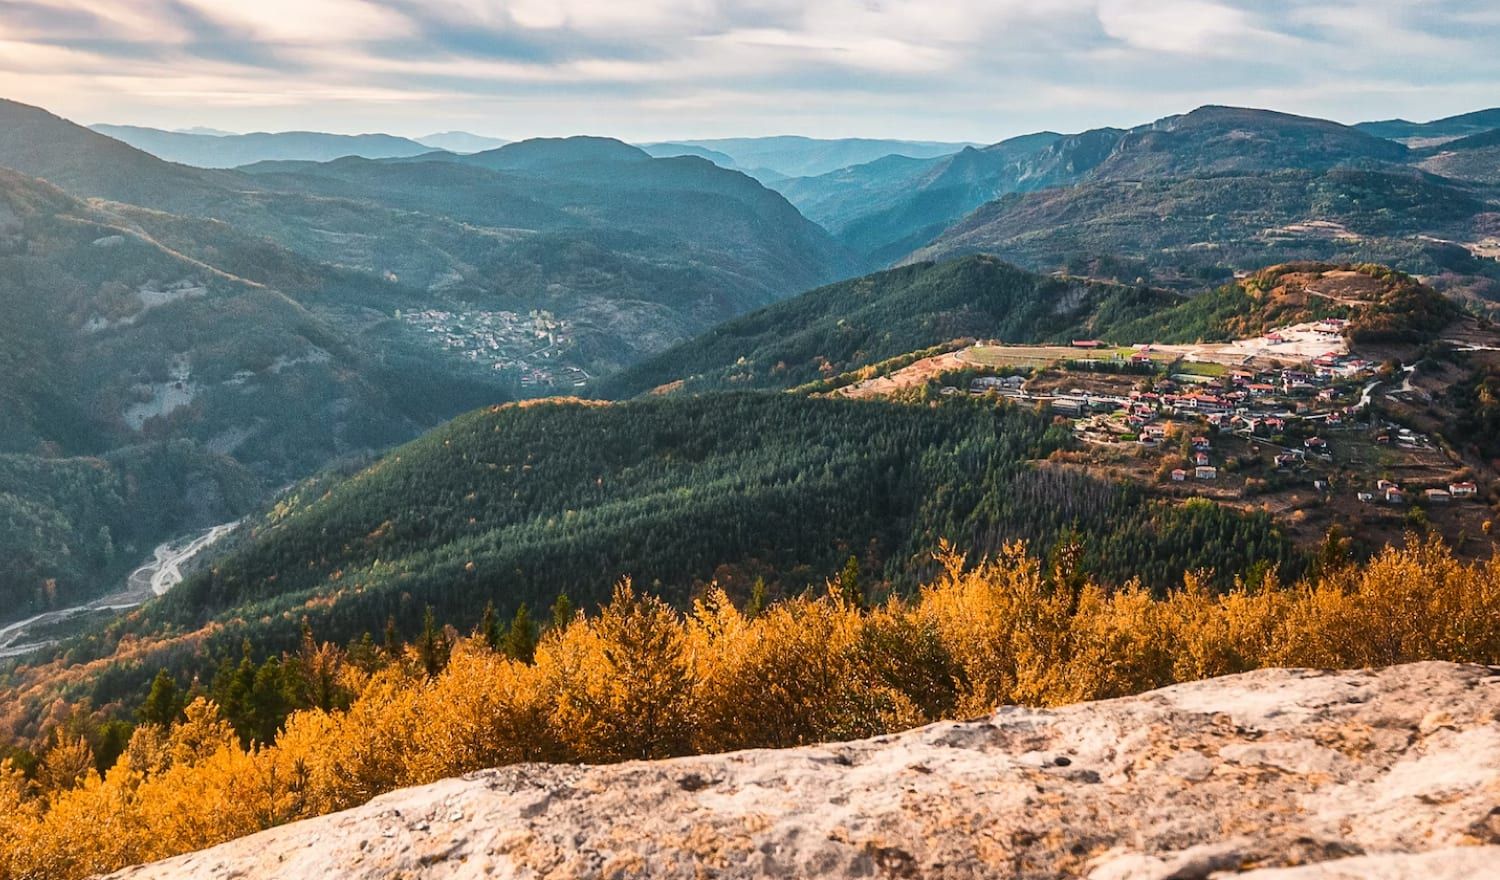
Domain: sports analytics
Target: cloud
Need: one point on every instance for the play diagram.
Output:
(1187, 27)
(970, 69)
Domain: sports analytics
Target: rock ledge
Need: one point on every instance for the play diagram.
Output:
(1271, 775)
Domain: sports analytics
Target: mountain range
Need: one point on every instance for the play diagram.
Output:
(770, 400)
(773, 159)
(1425, 133)
(284, 316)
(232, 150)
(390, 293)
(891, 208)
(211, 148)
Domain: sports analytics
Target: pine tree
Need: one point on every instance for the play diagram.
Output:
(432, 647)
(489, 627)
(163, 704)
(520, 640)
(392, 641)
(757, 601)
(849, 587)
(562, 611)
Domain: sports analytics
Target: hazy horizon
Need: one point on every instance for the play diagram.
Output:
(678, 69)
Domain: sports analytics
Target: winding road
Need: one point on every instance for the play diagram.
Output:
(154, 578)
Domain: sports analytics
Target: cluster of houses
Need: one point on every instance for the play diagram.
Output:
(1203, 466)
(1393, 493)
(997, 384)
(504, 340)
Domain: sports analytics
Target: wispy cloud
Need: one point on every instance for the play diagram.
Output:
(972, 69)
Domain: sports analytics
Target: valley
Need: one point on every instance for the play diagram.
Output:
(332, 464)
(154, 578)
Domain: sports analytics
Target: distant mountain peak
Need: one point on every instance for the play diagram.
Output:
(552, 152)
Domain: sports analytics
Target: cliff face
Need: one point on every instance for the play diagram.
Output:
(1386, 774)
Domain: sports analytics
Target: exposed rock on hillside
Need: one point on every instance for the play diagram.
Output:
(1392, 774)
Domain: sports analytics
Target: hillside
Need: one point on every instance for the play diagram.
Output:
(1270, 775)
(114, 339)
(116, 335)
(1423, 133)
(234, 150)
(1181, 231)
(519, 503)
(528, 502)
(774, 158)
(624, 254)
(630, 254)
(1378, 305)
(1224, 140)
(669, 150)
(838, 328)
(91, 165)
(70, 526)
(1475, 158)
(885, 210)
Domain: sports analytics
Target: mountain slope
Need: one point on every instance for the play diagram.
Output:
(794, 156)
(460, 142)
(73, 527)
(231, 151)
(114, 340)
(838, 328)
(523, 503)
(621, 254)
(1223, 140)
(86, 163)
(1437, 130)
(1475, 158)
(886, 210)
(1184, 230)
(123, 335)
(631, 253)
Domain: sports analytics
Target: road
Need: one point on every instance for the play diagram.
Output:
(154, 578)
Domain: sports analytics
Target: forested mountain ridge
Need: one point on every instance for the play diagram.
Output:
(88, 164)
(1462, 125)
(770, 159)
(1181, 231)
(1475, 158)
(527, 502)
(74, 526)
(844, 326)
(886, 210)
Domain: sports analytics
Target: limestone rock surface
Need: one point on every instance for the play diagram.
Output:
(1272, 775)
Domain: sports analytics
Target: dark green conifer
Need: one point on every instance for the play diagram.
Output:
(520, 640)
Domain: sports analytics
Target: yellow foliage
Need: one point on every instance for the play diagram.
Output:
(622, 681)
(641, 680)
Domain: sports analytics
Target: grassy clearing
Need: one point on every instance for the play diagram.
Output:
(1203, 368)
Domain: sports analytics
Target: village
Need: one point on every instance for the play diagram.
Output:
(1287, 414)
(532, 346)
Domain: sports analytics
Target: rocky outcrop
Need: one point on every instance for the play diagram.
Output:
(1372, 774)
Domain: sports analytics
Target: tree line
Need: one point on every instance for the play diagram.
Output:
(641, 679)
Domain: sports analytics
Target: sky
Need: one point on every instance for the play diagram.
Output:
(973, 70)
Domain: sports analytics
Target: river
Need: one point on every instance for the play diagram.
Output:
(158, 575)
